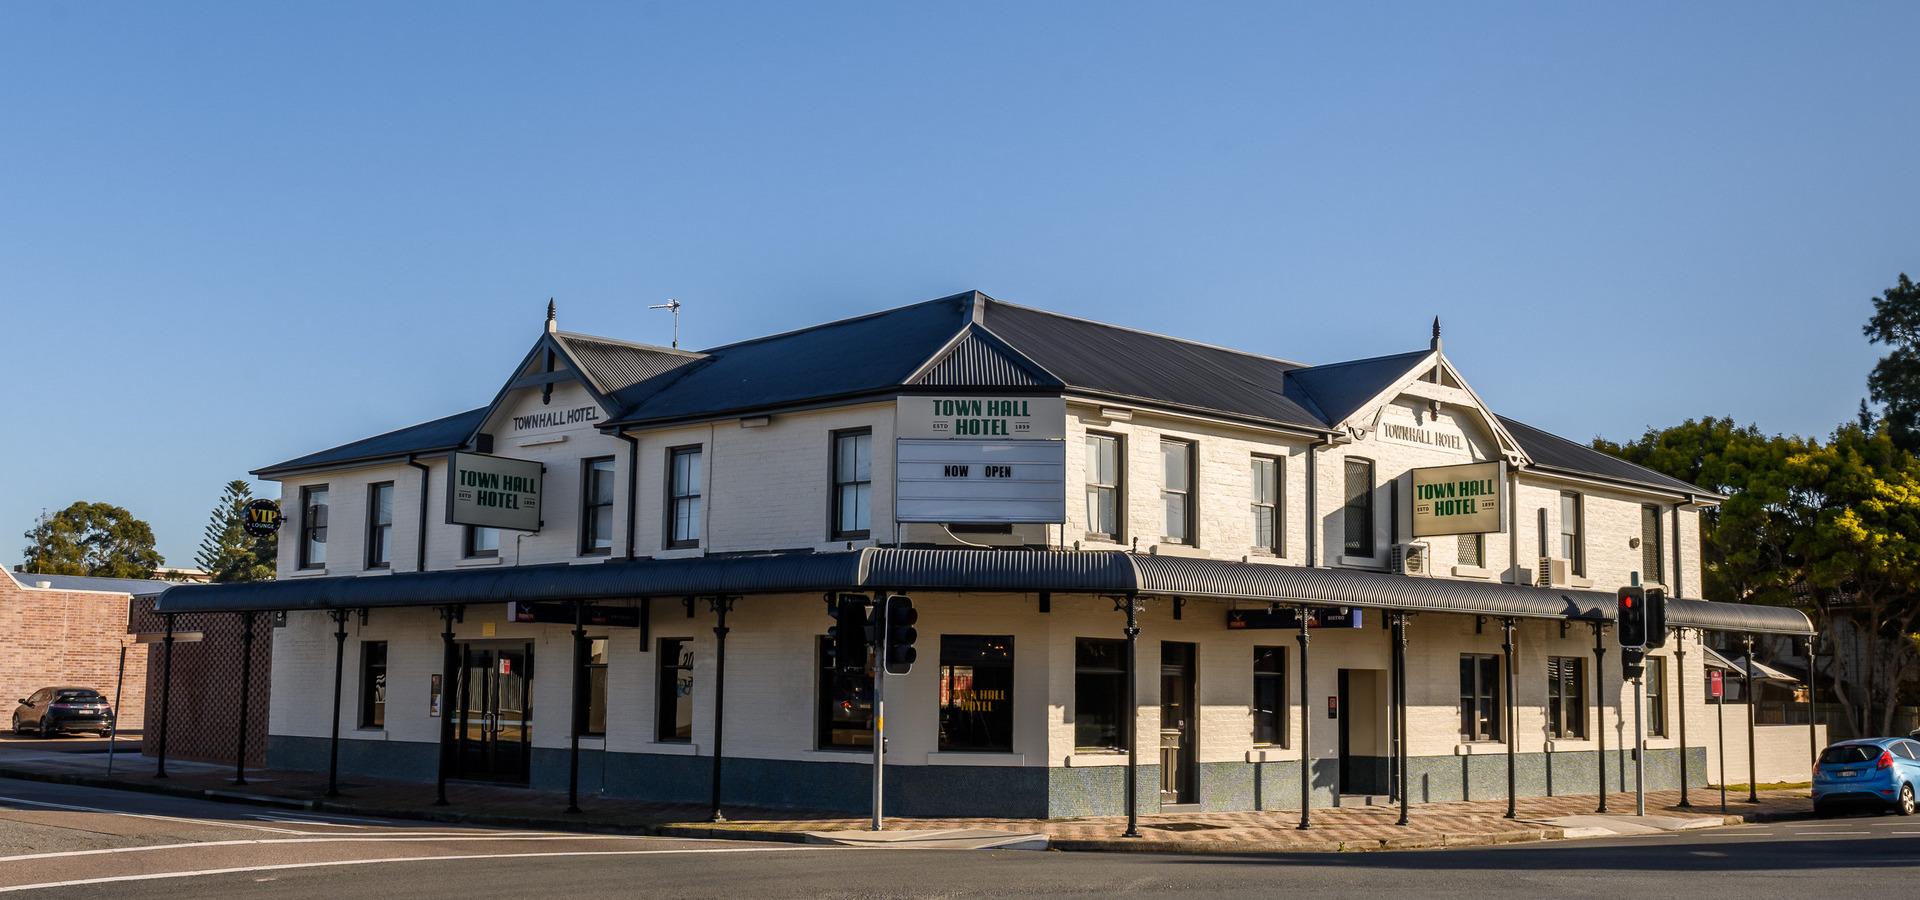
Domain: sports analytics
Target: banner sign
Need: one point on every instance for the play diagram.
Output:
(261, 518)
(980, 482)
(558, 613)
(494, 492)
(1289, 617)
(983, 418)
(1463, 499)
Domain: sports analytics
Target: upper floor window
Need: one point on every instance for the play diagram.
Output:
(852, 484)
(1473, 550)
(596, 506)
(380, 525)
(1573, 539)
(313, 527)
(1268, 534)
(683, 497)
(1103, 487)
(480, 543)
(1652, 559)
(1358, 512)
(1176, 490)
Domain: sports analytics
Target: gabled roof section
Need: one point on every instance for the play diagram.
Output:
(978, 358)
(1108, 360)
(439, 435)
(1338, 390)
(614, 366)
(1553, 452)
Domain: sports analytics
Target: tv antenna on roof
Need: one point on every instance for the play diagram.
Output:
(672, 306)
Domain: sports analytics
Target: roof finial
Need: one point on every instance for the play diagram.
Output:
(553, 323)
(1436, 333)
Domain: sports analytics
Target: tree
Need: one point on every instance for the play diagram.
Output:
(97, 539)
(1895, 381)
(227, 552)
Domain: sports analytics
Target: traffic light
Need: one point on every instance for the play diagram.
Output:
(1632, 620)
(847, 639)
(900, 634)
(1656, 618)
(1633, 663)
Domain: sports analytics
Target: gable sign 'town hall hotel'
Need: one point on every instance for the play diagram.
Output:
(1077, 510)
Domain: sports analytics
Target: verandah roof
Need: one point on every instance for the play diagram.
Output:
(879, 568)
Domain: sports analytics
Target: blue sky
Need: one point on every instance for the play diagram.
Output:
(233, 233)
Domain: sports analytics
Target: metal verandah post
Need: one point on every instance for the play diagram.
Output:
(166, 694)
(720, 606)
(1813, 704)
(1306, 733)
(1400, 697)
(1680, 657)
(1600, 708)
(449, 660)
(339, 663)
(579, 706)
(119, 682)
(1513, 715)
(1133, 717)
(1753, 697)
(1720, 715)
(246, 692)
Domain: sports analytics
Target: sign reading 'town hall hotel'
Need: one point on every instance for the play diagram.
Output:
(494, 492)
(981, 460)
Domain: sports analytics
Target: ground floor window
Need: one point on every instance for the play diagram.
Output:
(373, 684)
(1656, 681)
(673, 700)
(1566, 697)
(1270, 696)
(1100, 717)
(1480, 696)
(976, 692)
(845, 704)
(596, 722)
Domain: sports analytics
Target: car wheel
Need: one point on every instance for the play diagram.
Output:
(1906, 804)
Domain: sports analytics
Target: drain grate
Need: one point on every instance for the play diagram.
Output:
(1186, 826)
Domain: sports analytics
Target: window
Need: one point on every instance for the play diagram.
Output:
(845, 703)
(380, 525)
(1100, 720)
(480, 543)
(1656, 696)
(1270, 696)
(852, 484)
(1268, 532)
(373, 684)
(1103, 487)
(1359, 508)
(1573, 542)
(683, 497)
(596, 665)
(596, 506)
(1176, 491)
(1480, 696)
(1566, 697)
(673, 692)
(1652, 560)
(1473, 550)
(976, 693)
(313, 527)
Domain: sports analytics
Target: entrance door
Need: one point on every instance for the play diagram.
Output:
(494, 733)
(1361, 709)
(1179, 719)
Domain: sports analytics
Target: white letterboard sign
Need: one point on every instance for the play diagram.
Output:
(980, 482)
(494, 492)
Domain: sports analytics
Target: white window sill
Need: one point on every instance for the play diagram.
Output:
(1088, 759)
(1579, 582)
(385, 570)
(1091, 543)
(1187, 550)
(1472, 572)
(670, 748)
(1362, 562)
(683, 553)
(306, 573)
(593, 743)
(1271, 754)
(478, 561)
(980, 758)
(1479, 748)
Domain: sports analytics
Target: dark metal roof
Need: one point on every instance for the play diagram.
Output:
(427, 437)
(1084, 572)
(1550, 451)
(1338, 390)
(138, 587)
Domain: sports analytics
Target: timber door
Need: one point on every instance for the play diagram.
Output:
(1179, 720)
(493, 736)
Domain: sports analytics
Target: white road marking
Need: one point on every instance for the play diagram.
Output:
(155, 876)
(401, 838)
(115, 812)
(1827, 833)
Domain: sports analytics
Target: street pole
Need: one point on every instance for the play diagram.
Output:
(1306, 732)
(1600, 701)
(1720, 714)
(119, 681)
(1506, 628)
(578, 703)
(1133, 718)
(1680, 652)
(1639, 751)
(879, 649)
(1753, 697)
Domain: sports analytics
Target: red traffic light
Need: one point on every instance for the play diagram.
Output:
(1627, 601)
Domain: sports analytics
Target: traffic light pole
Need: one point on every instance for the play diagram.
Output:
(1639, 752)
(879, 705)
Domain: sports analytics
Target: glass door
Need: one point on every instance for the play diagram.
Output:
(494, 734)
(1177, 723)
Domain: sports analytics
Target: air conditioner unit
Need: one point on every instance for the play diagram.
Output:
(1554, 572)
(1408, 559)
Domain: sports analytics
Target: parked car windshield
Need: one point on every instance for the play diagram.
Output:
(1849, 753)
(80, 696)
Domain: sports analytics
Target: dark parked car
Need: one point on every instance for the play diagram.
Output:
(63, 710)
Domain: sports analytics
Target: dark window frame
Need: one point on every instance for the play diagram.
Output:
(1363, 502)
(944, 742)
(1656, 688)
(1190, 497)
(307, 526)
(1118, 486)
(1483, 693)
(666, 692)
(379, 545)
(673, 500)
(1280, 716)
(1274, 512)
(1116, 673)
(1652, 548)
(1578, 557)
(373, 694)
(1476, 541)
(1567, 697)
(468, 550)
(835, 486)
(589, 531)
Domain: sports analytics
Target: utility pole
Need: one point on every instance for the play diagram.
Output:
(1639, 750)
(879, 647)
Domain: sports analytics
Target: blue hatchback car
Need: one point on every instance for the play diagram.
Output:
(1871, 772)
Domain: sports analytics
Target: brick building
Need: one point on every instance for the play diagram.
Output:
(67, 631)
(1119, 545)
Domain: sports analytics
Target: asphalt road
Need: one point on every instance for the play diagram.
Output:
(63, 841)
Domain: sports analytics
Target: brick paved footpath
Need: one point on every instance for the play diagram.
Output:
(1349, 828)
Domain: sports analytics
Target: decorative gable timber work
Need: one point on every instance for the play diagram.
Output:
(978, 358)
(603, 367)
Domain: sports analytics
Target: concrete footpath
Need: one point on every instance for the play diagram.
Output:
(1351, 828)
